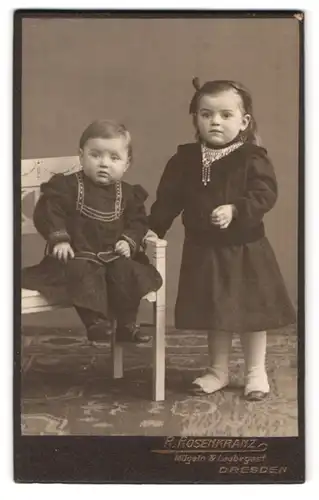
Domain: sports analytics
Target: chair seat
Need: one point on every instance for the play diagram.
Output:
(33, 301)
(25, 293)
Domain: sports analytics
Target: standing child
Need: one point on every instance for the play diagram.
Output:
(94, 224)
(230, 280)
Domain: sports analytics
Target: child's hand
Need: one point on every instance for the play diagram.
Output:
(123, 248)
(222, 216)
(63, 251)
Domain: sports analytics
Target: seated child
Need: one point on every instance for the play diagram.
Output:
(94, 224)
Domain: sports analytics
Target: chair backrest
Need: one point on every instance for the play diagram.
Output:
(33, 173)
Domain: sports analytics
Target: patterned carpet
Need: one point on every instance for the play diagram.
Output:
(67, 389)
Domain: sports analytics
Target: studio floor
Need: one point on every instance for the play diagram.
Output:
(67, 389)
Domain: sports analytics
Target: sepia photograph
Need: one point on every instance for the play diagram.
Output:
(159, 159)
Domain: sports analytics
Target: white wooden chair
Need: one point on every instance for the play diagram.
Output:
(33, 173)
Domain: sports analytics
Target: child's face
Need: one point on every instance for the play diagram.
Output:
(105, 161)
(220, 117)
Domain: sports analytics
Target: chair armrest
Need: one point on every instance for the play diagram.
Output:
(158, 248)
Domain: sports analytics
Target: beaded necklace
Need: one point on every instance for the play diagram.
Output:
(210, 155)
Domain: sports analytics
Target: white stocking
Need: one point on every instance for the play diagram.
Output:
(254, 346)
(216, 377)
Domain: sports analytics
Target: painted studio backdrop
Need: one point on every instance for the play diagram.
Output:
(139, 71)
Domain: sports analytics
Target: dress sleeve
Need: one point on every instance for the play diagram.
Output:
(52, 210)
(169, 198)
(261, 190)
(135, 218)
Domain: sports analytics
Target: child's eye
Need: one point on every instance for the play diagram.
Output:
(226, 114)
(94, 154)
(205, 115)
(115, 157)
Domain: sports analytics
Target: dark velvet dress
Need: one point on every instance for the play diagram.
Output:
(93, 218)
(229, 278)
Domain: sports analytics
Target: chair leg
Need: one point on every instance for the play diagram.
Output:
(159, 353)
(117, 355)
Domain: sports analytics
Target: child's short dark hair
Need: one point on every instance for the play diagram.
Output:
(216, 86)
(106, 129)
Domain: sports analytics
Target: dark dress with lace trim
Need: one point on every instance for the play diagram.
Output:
(93, 218)
(229, 279)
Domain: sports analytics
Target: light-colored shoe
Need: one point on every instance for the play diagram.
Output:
(256, 386)
(210, 383)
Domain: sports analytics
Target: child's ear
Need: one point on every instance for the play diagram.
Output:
(128, 164)
(246, 121)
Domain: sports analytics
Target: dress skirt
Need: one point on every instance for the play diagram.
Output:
(235, 288)
(119, 285)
